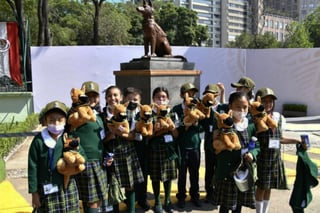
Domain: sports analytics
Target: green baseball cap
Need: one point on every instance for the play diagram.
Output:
(211, 88)
(265, 91)
(244, 82)
(186, 87)
(55, 105)
(91, 86)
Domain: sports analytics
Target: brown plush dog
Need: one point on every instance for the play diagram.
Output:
(72, 162)
(153, 34)
(208, 100)
(164, 123)
(80, 112)
(192, 115)
(260, 118)
(227, 138)
(119, 125)
(144, 124)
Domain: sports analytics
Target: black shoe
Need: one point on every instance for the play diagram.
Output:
(196, 202)
(168, 208)
(144, 205)
(181, 204)
(158, 209)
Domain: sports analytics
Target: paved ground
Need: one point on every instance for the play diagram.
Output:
(14, 195)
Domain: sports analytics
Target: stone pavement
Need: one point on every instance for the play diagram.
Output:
(16, 184)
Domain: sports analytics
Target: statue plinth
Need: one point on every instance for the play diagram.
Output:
(149, 73)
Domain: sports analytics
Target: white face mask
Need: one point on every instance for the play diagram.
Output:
(55, 129)
(162, 102)
(238, 115)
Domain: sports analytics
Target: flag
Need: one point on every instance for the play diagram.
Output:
(10, 59)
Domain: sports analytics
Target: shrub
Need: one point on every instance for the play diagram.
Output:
(7, 144)
(295, 107)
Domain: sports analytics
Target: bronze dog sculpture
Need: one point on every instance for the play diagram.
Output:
(152, 32)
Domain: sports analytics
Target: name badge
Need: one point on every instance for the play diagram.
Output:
(102, 134)
(138, 137)
(168, 138)
(274, 144)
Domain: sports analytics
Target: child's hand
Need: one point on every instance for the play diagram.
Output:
(36, 200)
(248, 157)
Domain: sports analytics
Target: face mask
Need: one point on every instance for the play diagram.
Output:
(238, 115)
(55, 129)
(132, 105)
(160, 102)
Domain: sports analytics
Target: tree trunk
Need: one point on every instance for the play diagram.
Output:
(96, 23)
(40, 24)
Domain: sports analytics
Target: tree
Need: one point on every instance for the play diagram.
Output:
(242, 41)
(186, 27)
(44, 37)
(312, 25)
(297, 36)
(97, 6)
(202, 34)
(264, 41)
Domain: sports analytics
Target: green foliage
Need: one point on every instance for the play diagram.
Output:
(312, 24)
(2, 170)
(6, 144)
(202, 34)
(295, 107)
(247, 40)
(297, 36)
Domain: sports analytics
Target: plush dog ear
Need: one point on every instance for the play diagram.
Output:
(259, 99)
(230, 113)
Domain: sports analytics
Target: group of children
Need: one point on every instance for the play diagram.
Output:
(163, 157)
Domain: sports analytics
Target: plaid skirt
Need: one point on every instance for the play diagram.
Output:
(161, 167)
(92, 183)
(126, 163)
(64, 201)
(270, 166)
(228, 195)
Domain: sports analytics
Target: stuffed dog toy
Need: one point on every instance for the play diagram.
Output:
(119, 124)
(191, 113)
(152, 32)
(144, 124)
(164, 123)
(80, 112)
(261, 119)
(72, 162)
(228, 138)
(208, 100)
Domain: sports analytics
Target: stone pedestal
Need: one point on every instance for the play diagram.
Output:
(149, 73)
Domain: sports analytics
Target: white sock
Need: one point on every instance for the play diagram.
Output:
(259, 206)
(266, 204)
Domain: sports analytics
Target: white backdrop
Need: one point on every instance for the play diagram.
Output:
(292, 73)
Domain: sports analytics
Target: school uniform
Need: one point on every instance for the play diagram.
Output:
(162, 157)
(270, 166)
(43, 156)
(189, 144)
(92, 182)
(210, 158)
(227, 194)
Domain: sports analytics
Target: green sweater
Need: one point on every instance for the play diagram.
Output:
(39, 161)
(189, 139)
(228, 161)
(90, 138)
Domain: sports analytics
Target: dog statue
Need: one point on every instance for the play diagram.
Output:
(80, 112)
(153, 34)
